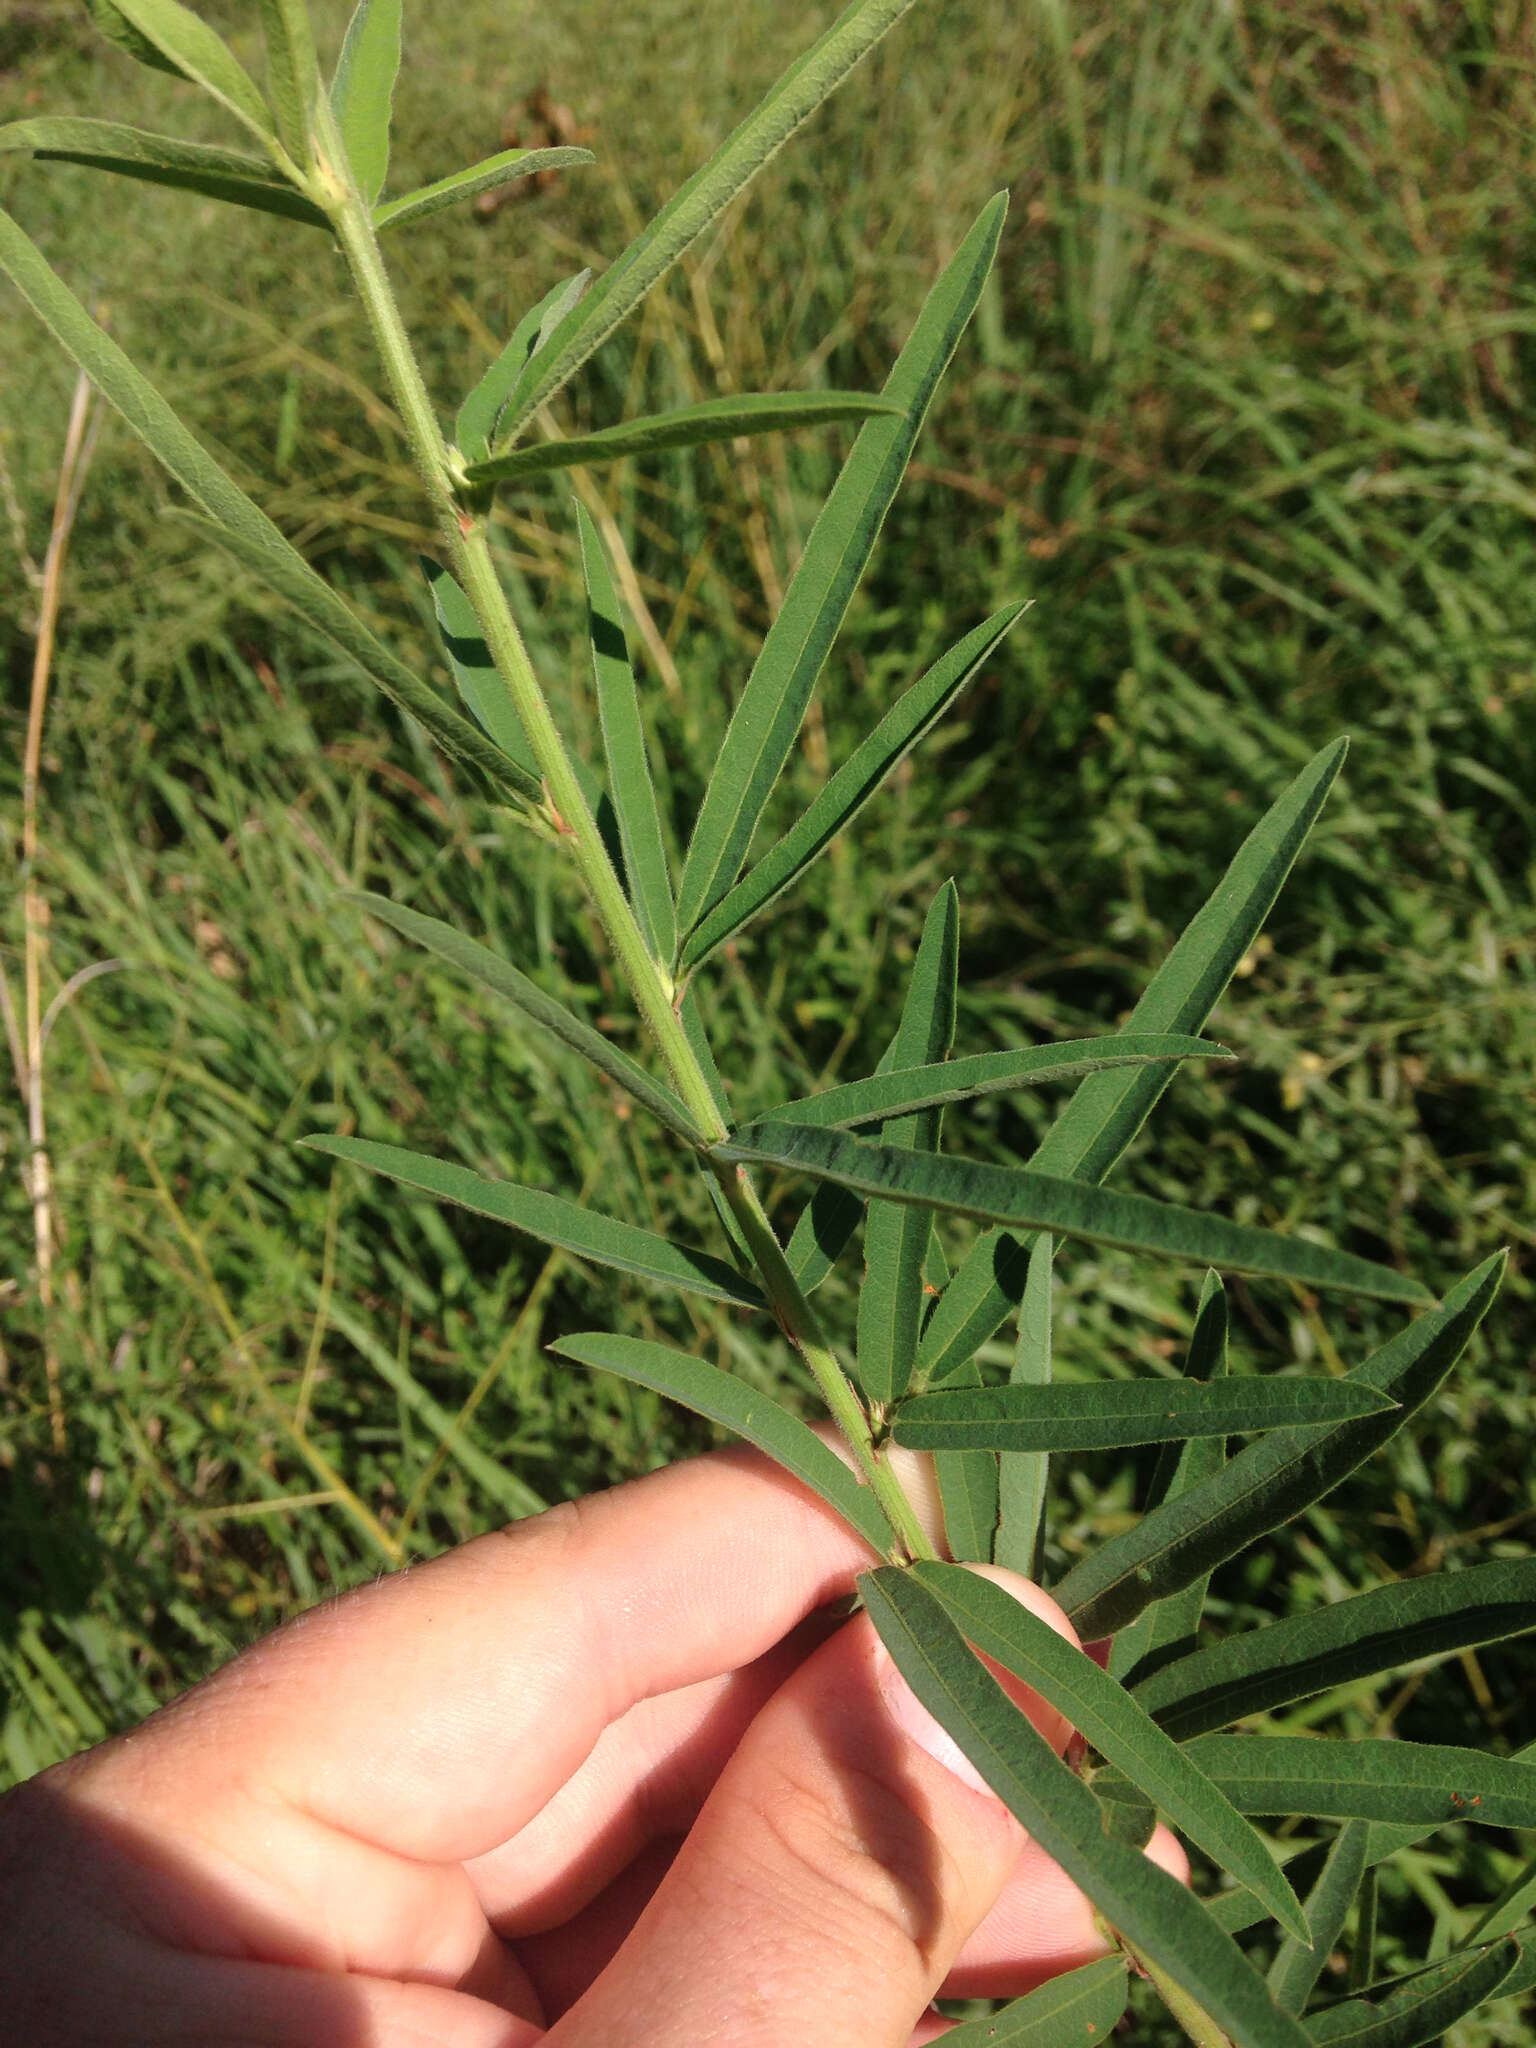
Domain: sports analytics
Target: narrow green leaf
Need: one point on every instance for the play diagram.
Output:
(1106, 1414)
(1070, 1208)
(1098, 1707)
(162, 160)
(1152, 1909)
(119, 31)
(772, 706)
(1425, 2008)
(1236, 1910)
(1169, 1627)
(1078, 2010)
(692, 426)
(194, 50)
(968, 1493)
(1262, 1669)
(751, 1414)
(1299, 1963)
(479, 680)
(1024, 1475)
(1362, 1954)
(553, 1220)
(481, 410)
(904, 1089)
(629, 768)
(910, 719)
(486, 176)
(1270, 1482)
(896, 1235)
(293, 73)
(1108, 1110)
(503, 979)
(1333, 1778)
(1516, 1903)
(234, 520)
(363, 91)
(822, 1233)
(812, 78)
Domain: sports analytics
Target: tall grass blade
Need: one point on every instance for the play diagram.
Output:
(487, 176)
(692, 426)
(1107, 1415)
(192, 48)
(1108, 1110)
(811, 79)
(223, 174)
(968, 1492)
(751, 1414)
(1263, 1669)
(1076, 2010)
(479, 681)
(553, 1220)
(363, 91)
(293, 73)
(1070, 1208)
(1134, 1895)
(1335, 1778)
(1024, 1475)
(504, 980)
(1271, 1481)
(1426, 2007)
(1299, 1962)
(629, 769)
(481, 410)
(768, 716)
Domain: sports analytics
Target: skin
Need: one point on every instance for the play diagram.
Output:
(618, 1774)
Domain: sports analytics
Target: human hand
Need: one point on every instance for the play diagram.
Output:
(614, 1772)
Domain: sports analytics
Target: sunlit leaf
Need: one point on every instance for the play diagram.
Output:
(486, 176)
(1080, 2009)
(1024, 1475)
(223, 174)
(1103, 1415)
(480, 411)
(293, 73)
(192, 48)
(363, 91)
(480, 682)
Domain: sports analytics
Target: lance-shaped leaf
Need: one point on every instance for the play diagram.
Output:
(1334, 1778)
(768, 716)
(119, 31)
(1261, 1669)
(293, 72)
(1078, 2010)
(1142, 1901)
(1426, 2007)
(968, 1493)
(812, 78)
(1362, 1954)
(504, 980)
(481, 410)
(162, 160)
(553, 1220)
(1108, 1110)
(629, 768)
(233, 519)
(480, 682)
(750, 1413)
(904, 1089)
(1024, 1475)
(896, 1235)
(1105, 1415)
(1098, 1707)
(1299, 1963)
(1168, 1627)
(1514, 1904)
(829, 1219)
(191, 47)
(486, 176)
(691, 426)
(909, 719)
(1069, 1208)
(1270, 1482)
(363, 91)
(1239, 1909)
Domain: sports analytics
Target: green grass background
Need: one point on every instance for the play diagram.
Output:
(1247, 411)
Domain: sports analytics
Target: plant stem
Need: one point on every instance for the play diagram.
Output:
(1190, 2014)
(466, 536)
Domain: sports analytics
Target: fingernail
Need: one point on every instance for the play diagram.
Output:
(919, 1726)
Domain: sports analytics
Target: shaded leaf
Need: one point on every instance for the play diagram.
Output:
(486, 176)
(1107, 1110)
(968, 1493)
(751, 1414)
(691, 426)
(821, 1234)
(812, 78)
(1078, 2010)
(481, 410)
(119, 31)
(1425, 2007)
(1514, 1904)
(553, 1220)
(1236, 1910)
(1104, 1415)
(192, 48)
(771, 708)
(1152, 1909)
(1024, 1475)
(1335, 1778)
(223, 174)
(363, 91)
(293, 73)
(1098, 1707)
(1298, 1964)
(503, 979)
(479, 681)
(629, 769)
(1270, 1482)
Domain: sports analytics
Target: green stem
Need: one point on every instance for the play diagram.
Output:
(1190, 2014)
(465, 535)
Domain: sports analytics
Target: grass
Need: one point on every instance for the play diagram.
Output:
(1250, 416)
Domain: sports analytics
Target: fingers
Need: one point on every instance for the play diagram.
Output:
(828, 1885)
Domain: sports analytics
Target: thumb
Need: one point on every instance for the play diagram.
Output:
(845, 1854)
